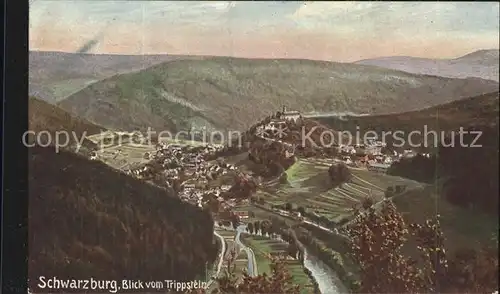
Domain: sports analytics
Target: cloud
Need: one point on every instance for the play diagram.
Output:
(81, 13)
(262, 13)
(325, 10)
(432, 19)
(342, 31)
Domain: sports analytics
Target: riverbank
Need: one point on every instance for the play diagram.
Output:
(332, 250)
(324, 278)
(265, 247)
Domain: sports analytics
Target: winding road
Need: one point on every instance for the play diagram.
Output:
(252, 264)
(221, 260)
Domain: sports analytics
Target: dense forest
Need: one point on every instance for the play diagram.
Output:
(480, 110)
(88, 220)
(470, 173)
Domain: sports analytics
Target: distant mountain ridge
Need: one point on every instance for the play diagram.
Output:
(232, 93)
(55, 75)
(482, 54)
(481, 64)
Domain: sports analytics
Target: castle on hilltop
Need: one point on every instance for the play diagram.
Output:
(289, 115)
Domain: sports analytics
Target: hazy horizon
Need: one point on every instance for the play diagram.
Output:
(127, 54)
(331, 31)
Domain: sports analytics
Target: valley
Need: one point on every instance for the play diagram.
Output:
(290, 204)
(230, 184)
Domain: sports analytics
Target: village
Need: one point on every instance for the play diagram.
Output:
(200, 175)
(368, 155)
(269, 176)
(186, 170)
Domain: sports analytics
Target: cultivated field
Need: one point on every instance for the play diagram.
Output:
(128, 154)
(264, 247)
(308, 186)
(125, 156)
(241, 262)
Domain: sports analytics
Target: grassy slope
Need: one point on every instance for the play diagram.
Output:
(308, 186)
(232, 93)
(462, 227)
(480, 112)
(88, 220)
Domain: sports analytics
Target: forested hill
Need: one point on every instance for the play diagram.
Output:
(89, 220)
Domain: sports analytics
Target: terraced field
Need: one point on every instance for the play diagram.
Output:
(378, 181)
(308, 186)
(263, 247)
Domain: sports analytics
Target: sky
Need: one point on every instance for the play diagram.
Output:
(334, 31)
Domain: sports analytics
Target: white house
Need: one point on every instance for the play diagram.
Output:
(388, 160)
(290, 115)
(288, 154)
(374, 150)
(275, 124)
(348, 149)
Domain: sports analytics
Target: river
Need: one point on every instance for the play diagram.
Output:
(327, 279)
